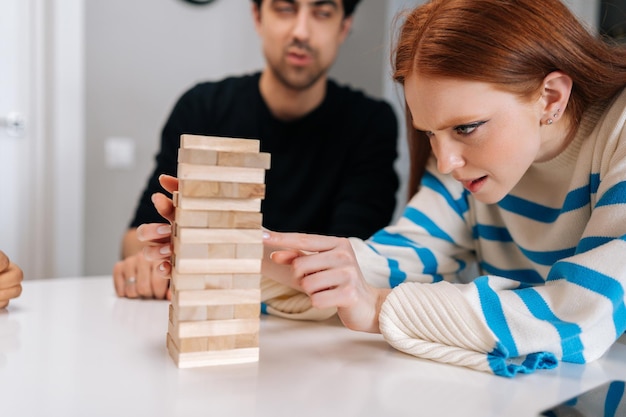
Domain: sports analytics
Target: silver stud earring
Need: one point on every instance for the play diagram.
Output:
(549, 121)
(555, 115)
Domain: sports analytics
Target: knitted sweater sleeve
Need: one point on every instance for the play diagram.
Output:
(279, 300)
(493, 323)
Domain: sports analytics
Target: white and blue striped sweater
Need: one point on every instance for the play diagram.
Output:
(551, 258)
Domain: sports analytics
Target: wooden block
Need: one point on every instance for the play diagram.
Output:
(216, 297)
(246, 281)
(220, 173)
(217, 250)
(249, 250)
(219, 219)
(217, 143)
(206, 328)
(197, 156)
(215, 189)
(215, 281)
(204, 250)
(203, 313)
(216, 204)
(247, 311)
(216, 266)
(211, 358)
(244, 159)
(233, 159)
(205, 281)
(201, 344)
(246, 340)
(219, 236)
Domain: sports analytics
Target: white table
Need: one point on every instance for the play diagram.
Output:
(70, 347)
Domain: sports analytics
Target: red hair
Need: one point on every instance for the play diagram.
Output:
(513, 44)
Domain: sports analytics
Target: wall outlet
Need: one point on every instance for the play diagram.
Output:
(119, 152)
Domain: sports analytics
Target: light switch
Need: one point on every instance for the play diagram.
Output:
(119, 152)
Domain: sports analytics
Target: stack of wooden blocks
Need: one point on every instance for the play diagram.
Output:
(217, 251)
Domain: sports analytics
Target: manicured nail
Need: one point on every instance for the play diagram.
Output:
(165, 229)
(165, 250)
(266, 235)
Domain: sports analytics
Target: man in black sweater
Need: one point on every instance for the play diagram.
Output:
(332, 147)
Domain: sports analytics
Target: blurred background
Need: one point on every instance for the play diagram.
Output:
(86, 85)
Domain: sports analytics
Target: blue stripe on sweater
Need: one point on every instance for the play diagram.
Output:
(494, 316)
(396, 275)
(501, 234)
(548, 258)
(424, 221)
(495, 233)
(592, 242)
(500, 366)
(529, 209)
(425, 255)
(459, 205)
(598, 283)
(614, 396)
(528, 276)
(571, 345)
(505, 346)
(574, 200)
(594, 183)
(614, 195)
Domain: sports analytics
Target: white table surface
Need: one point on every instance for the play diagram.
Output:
(70, 347)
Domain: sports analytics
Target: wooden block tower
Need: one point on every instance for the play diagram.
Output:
(217, 251)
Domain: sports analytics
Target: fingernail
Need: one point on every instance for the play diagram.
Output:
(272, 255)
(266, 235)
(162, 267)
(165, 250)
(165, 229)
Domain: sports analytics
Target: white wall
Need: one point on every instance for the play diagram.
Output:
(141, 55)
(41, 213)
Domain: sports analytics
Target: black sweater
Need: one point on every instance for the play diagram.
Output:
(331, 171)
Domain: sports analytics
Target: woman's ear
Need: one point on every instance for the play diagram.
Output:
(555, 93)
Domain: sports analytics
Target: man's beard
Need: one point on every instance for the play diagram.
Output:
(303, 79)
(298, 83)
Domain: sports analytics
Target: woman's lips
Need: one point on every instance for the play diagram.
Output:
(474, 185)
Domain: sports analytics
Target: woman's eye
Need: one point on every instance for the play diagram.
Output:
(467, 129)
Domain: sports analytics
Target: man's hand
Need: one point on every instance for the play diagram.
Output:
(139, 277)
(146, 266)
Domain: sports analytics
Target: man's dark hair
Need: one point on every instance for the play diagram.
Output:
(348, 6)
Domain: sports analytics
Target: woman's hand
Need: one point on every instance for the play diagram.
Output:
(10, 280)
(325, 268)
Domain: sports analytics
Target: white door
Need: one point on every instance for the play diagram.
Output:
(16, 136)
(41, 141)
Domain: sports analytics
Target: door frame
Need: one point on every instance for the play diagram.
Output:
(54, 192)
